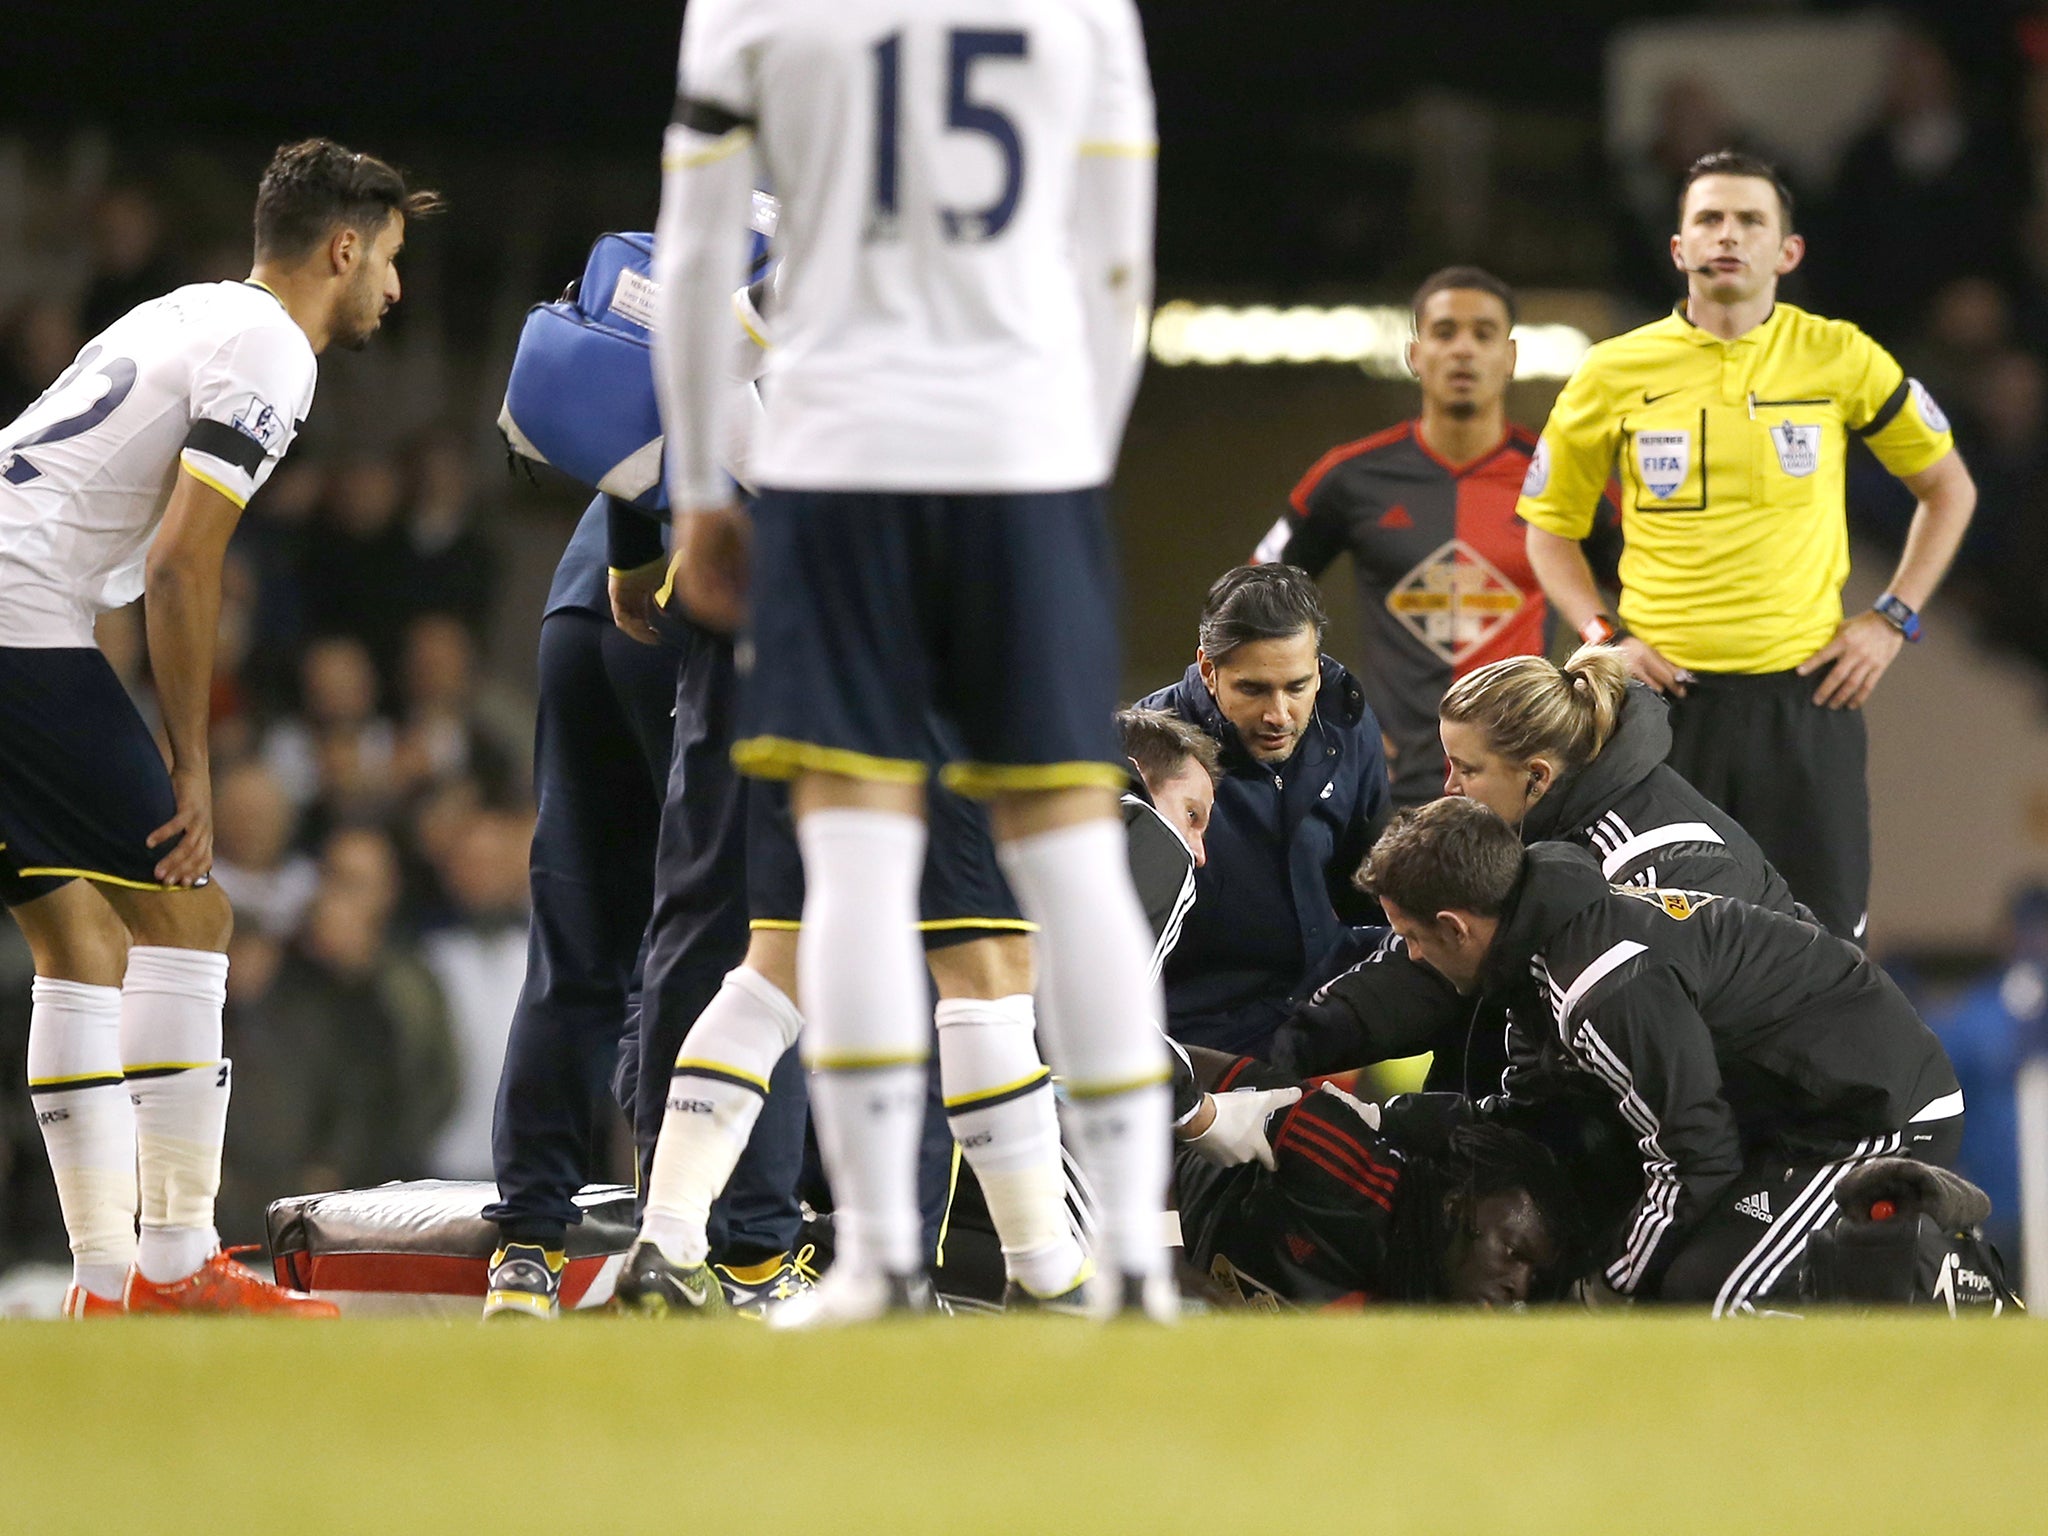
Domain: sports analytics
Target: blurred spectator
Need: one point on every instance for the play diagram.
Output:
(2005, 438)
(362, 863)
(1969, 322)
(342, 1060)
(1692, 120)
(361, 567)
(454, 567)
(449, 723)
(129, 263)
(1924, 195)
(1987, 1033)
(480, 962)
(269, 882)
(338, 751)
(41, 339)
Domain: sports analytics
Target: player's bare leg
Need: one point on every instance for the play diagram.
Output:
(999, 1104)
(861, 980)
(1064, 854)
(171, 998)
(75, 1084)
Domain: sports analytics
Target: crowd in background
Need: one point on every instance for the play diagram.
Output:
(373, 795)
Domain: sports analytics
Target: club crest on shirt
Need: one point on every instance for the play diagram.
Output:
(1662, 459)
(1798, 448)
(1677, 905)
(1923, 402)
(257, 419)
(1454, 600)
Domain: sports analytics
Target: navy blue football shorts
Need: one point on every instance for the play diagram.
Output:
(963, 895)
(82, 784)
(875, 610)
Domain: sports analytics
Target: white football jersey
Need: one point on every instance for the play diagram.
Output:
(214, 375)
(929, 329)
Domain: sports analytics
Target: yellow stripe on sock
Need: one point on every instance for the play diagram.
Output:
(858, 1062)
(968, 1100)
(683, 1063)
(1111, 1090)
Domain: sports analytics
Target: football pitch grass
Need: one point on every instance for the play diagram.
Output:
(1386, 1422)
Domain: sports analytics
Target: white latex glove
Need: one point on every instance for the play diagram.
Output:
(1237, 1131)
(1369, 1113)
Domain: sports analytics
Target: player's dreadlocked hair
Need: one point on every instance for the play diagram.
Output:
(314, 185)
(1480, 1160)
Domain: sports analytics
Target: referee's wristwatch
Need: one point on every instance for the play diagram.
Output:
(1893, 610)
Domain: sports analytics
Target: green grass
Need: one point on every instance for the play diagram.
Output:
(1388, 1423)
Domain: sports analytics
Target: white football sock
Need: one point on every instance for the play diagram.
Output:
(720, 1083)
(861, 980)
(1094, 949)
(999, 1103)
(171, 1002)
(88, 1125)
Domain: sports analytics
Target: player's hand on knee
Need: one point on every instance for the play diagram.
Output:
(192, 860)
(1856, 658)
(1237, 1130)
(708, 577)
(1652, 668)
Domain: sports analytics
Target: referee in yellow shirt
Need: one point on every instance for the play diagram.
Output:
(1728, 424)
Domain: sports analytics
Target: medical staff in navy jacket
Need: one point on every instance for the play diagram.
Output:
(1302, 793)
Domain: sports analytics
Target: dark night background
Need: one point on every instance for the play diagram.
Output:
(1253, 98)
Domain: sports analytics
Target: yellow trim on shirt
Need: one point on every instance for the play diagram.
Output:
(133, 1067)
(777, 757)
(734, 139)
(954, 924)
(208, 481)
(774, 925)
(980, 781)
(739, 311)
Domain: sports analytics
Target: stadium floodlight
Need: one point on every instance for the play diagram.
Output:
(1373, 337)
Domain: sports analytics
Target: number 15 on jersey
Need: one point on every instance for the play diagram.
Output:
(965, 49)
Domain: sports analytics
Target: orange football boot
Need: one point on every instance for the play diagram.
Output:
(83, 1303)
(222, 1285)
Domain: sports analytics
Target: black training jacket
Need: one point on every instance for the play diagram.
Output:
(1718, 1027)
(1645, 824)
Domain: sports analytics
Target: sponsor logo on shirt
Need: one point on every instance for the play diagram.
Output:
(1798, 448)
(257, 418)
(1454, 600)
(1923, 402)
(1538, 475)
(1662, 459)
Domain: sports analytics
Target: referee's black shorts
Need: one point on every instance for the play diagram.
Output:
(82, 784)
(1793, 773)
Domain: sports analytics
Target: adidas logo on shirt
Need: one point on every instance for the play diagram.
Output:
(1757, 1205)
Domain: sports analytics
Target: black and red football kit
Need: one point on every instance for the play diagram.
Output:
(1444, 582)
